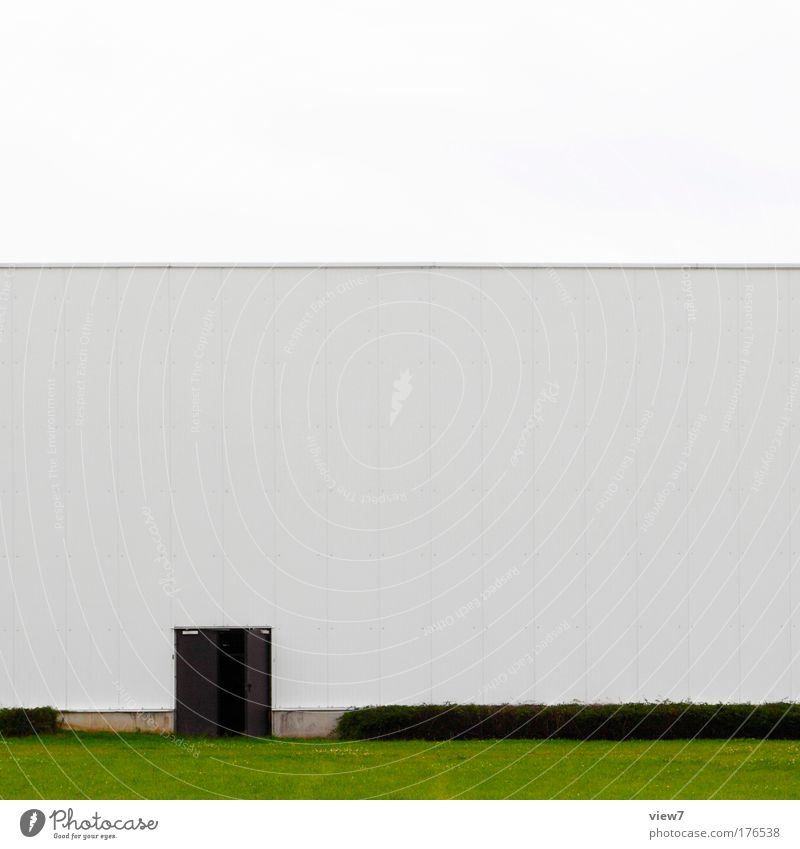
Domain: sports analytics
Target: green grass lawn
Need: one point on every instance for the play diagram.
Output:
(107, 766)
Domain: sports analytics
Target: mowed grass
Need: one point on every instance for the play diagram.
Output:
(108, 766)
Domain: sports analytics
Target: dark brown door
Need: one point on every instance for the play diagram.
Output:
(258, 682)
(196, 682)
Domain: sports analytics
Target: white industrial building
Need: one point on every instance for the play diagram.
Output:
(306, 488)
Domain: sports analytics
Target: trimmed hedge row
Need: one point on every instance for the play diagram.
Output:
(20, 722)
(658, 721)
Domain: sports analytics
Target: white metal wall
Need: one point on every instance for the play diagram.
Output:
(588, 490)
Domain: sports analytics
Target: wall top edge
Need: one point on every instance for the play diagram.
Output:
(418, 265)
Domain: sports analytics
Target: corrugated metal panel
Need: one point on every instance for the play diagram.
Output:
(435, 482)
(148, 586)
(8, 444)
(89, 420)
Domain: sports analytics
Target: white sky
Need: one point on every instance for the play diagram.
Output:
(442, 131)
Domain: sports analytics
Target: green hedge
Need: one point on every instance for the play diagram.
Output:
(659, 721)
(19, 722)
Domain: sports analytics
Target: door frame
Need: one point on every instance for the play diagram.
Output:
(265, 630)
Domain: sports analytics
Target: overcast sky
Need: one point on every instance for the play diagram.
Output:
(405, 131)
